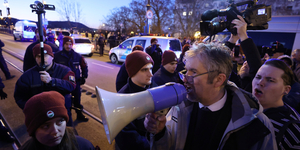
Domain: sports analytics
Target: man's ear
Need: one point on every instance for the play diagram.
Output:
(287, 89)
(219, 80)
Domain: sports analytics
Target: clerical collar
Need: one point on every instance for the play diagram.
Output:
(217, 105)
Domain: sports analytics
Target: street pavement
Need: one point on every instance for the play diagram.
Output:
(101, 73)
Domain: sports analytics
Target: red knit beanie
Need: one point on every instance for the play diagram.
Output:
(67, 39)
(37, 50)
(167, 57)
(43, 107)
(135, 61)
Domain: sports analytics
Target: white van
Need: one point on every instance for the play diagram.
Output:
(24, 30)
(119, 53)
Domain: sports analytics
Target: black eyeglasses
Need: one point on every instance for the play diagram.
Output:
(190, 79)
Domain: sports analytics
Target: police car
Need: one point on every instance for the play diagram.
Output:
(119, 53)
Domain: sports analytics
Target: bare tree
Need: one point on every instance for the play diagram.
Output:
(69, 10)
(187, 17)
(162, 10)
(65, 9)
(77, 11)
(138, 14)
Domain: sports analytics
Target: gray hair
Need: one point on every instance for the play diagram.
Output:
(214, 57)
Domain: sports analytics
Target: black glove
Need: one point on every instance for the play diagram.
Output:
(3, 94)
(82, 80)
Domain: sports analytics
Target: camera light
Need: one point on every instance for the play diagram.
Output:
(261, 11)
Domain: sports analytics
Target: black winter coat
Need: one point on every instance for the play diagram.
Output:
(30, 84)
(122, 77)
(156, 54)
(132, 136)
(163, 76)
(74, 61)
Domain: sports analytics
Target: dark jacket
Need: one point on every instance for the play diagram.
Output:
(101, 40)
(281, 117)
(180, 65)
(131, 137)
(28, 60)
(156, 54)
(293, 97)
(163, 76)
(254, 62)
(30, 84)
(122, 77)
(1, 45)
(72, 60)
(248, 128)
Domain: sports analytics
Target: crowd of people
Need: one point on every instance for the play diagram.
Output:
(233, 101)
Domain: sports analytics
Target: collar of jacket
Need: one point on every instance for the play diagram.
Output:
(246, 106)
(67, 53)
(163, 69)
(135, 88)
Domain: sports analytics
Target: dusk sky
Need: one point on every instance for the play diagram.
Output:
(93, 11)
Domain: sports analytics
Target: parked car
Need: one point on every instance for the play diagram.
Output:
(56, 33)
(119, 53)
(83, 46)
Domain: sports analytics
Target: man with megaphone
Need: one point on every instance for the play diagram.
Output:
(217, 115)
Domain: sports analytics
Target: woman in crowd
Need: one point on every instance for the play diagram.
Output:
(272, 81)
(45, 119)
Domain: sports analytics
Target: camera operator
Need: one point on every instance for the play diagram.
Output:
(244, 80)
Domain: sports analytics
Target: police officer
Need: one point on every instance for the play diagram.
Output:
(155, 52)
(70, 58)
(167, 71)
(3, 65)
(55, 77)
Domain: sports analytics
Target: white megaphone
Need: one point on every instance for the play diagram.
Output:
(118, 110)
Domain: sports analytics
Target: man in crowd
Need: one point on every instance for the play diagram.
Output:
(75, 62)
(138, 65)
(122, 76)
(101, 44)
(156, 53)
(112, 40)
(29, 60)
(50, 36)
(3, 64)
(52, 77)
(167, 71)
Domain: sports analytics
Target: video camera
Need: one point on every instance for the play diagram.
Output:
(215, 21)
(40, 7)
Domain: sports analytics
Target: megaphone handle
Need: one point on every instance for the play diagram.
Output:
(152, 135)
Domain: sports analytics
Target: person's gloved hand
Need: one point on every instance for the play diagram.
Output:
(3, 94)
(82, 80)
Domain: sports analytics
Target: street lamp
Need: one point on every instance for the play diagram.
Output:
(148, 11)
